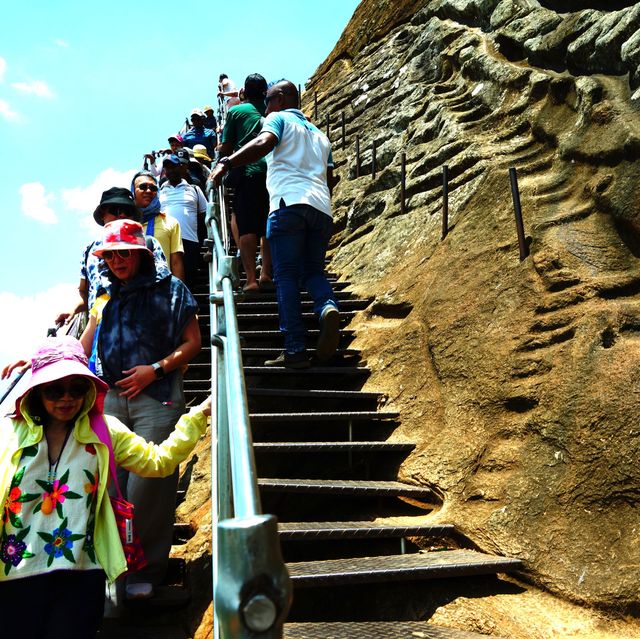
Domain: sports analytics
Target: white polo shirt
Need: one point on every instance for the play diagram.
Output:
(184, 202)
(297, 166)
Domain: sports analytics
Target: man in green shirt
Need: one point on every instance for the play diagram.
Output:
(251, 202)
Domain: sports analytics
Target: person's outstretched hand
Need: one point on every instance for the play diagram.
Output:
(20, 365)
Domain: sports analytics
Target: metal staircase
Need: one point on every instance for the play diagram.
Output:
(327, 471)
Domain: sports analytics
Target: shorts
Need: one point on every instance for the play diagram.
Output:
(251, 205)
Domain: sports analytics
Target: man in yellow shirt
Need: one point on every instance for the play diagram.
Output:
(164, 228)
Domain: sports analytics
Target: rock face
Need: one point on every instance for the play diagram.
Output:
(518, 379)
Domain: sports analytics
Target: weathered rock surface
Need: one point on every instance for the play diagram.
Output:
(519, 380)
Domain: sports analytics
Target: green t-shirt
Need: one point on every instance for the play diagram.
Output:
(241, 126)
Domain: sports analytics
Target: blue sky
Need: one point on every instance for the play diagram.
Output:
(87, 88)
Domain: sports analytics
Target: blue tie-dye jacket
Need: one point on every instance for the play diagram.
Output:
(142, 323)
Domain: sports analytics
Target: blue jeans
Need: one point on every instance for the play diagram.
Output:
(298, 236)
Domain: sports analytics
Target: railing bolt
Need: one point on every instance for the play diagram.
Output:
(259, 613)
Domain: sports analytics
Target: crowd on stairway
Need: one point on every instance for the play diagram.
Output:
(116, 394)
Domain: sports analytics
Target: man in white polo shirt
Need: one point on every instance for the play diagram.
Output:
(299, 172)
(185, 202)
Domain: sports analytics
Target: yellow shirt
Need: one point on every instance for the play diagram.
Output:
(166, 230)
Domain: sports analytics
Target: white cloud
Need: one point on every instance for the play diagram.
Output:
(3, 68)
(38, 88)
(35, 203)
(7, 112)
(36, 314)
(61, 43)
(84, 200)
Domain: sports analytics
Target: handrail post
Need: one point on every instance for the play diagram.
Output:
(328, 130)
(403, 182)
(315, 106)
(373, 160)
(515, 195)
(357, 156)
(445, 201)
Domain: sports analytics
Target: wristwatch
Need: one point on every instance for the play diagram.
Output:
(158, 370)
(226, 161)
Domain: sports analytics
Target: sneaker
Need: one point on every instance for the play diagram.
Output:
(290, 360)
(329, 333)
(139, 591)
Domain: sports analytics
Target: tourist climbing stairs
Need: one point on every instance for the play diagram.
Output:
(357, 542)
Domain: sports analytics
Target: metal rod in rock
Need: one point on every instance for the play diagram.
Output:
(328, 125)
(344, 129)
(515, 195)
(299, 97)
(445, 201)
(357, 156)
(315, 106)
(373, 160)
(403, 183)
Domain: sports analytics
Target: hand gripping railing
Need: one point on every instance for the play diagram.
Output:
(251, 586)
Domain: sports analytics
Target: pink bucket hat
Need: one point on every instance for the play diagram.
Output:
(122, 234)
(60, 357)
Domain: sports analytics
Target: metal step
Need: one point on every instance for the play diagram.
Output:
(312, 530)
(263, 306)
(322, 417)
(202, 296)
(314, 370)
(345, 317)
(375, 630)
(424, 565)
(313, 394)
(313, 332)
(356, 487)
(272, 352)
(324, 447)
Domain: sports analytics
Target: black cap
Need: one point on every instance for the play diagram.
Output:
(116, 196)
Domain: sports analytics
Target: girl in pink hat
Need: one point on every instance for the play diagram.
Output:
(59, 536)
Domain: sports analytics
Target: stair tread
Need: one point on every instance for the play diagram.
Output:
(273, 333)
(333, 446)
(344, 486)
(354, 529)
(314, 370)
(311, 394)
(350, 304)
(424, 565)
(324, 415)
(375, 630)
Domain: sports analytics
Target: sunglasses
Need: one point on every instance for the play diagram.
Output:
(121, 253)
(75, 390)
(148, 187)
(117, 212)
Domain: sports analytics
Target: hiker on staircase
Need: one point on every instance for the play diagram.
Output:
(299, 226)
(58, 535)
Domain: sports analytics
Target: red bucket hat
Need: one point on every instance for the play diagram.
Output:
(122, 234)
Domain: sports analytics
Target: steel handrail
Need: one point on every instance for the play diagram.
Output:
(252, 590)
